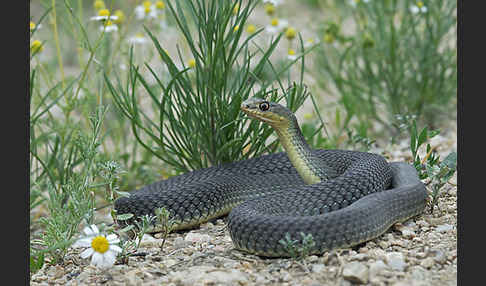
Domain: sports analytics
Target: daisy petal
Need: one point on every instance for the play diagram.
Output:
(112, 238)
(115, 248)
(87, 230)
(95, 229)
(109, 258)
(83, 242)
(87, 253)
(97, 258)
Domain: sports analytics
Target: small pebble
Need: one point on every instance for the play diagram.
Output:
(427, 262)
(356, 272)
(444, 228)
(318, 268)
(440, 256)
(383, 244)
(359, 257)
(197, 237)
(408, 233)
(364, 250)
(179, 242)
(396, 261)
(377, 267)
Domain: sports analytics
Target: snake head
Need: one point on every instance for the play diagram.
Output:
(269, 112)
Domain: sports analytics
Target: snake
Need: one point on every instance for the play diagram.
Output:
(337, 198)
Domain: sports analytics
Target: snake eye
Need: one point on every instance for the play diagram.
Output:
(264, 106)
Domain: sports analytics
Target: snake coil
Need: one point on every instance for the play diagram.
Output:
(267, 198)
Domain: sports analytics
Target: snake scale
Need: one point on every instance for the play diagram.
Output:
(342, 198)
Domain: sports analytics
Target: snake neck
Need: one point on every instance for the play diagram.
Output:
(310, 168)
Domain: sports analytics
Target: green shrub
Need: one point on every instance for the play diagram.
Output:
(194, 118)
(391, 62)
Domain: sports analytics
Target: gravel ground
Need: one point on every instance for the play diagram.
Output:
(420, 251)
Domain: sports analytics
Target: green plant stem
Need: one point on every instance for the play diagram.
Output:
(57, 42)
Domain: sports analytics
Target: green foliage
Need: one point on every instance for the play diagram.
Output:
(298, 249)
(135, 229)
(431, 167)
(392, 62)
(195, 120)
(143, 224)
(165, 223)
(71, 184)
(417, 139)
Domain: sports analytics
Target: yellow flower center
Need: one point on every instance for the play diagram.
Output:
(251, 29)
(147, 4)
(160, 5)
(120, 15)
(236, 28)
(104, 12)
(192, 63)
(291, 52)
(290, 33)
(108, 23)
(147, 9)
(99, 4)
(274, 22)
(269, 8)
(420, 4)
(328, 38)
(32, 25)
(100, 244)
(36, 46)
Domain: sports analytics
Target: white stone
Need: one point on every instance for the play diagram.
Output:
(318, 268)
(148, 240)
(208, 275)
(197, 237)
(356, 272)
(444, 228)
(396, 261)
(376, 267)
(427, 262)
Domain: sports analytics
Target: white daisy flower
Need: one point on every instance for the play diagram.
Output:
(138, 39)
(103, 15)
(291, 55)
(310, 42)
(101, 248)
(103, 18)
(276, 26)
(418, 8)
(274, 2)
(109, 27)
(146, 10)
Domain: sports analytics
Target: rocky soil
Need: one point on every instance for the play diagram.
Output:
(420, 251)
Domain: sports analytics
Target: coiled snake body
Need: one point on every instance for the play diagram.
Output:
(342, 198)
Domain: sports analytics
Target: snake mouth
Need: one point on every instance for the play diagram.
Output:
(256, 114)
